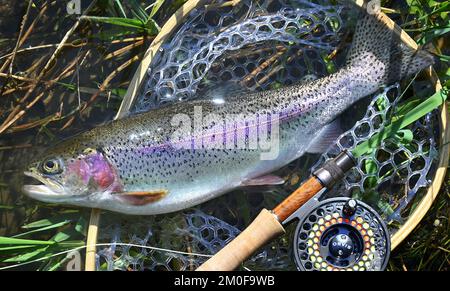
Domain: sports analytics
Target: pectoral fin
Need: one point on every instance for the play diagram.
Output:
(325, 138)
(139, 198)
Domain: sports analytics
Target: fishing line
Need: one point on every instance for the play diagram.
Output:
(409, 85)
(105, 244)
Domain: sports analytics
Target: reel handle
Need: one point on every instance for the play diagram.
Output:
(258, 233)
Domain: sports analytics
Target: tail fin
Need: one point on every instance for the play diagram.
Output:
(383, 52)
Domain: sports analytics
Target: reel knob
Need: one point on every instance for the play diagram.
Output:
(350, 207)
(341, 234)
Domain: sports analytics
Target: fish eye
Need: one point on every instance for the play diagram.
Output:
(51, 167)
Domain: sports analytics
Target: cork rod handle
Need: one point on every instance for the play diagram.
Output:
(258, 233)
(265, 227)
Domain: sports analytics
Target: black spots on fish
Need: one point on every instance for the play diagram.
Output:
(381, 53)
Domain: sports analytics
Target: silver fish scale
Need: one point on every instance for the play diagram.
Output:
(202, 52)
(152, 162)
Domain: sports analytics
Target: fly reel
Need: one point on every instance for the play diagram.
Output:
(341, 234)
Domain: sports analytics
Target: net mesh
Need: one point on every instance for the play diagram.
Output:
(254, 44)
(398, 168)
(184, 240)
(257, 45)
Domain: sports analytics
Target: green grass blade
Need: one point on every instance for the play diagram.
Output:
(19, 241)
(56, 225)
(443, 58)
(121, 10)
(443, 7)
(18, 247)
(138, 11)
(61, 236)
(117, 32)
(56, 265)
(70, 216)
(119, 21)
(6, 207)
(27, 256)
(433, 33)
(156, 6)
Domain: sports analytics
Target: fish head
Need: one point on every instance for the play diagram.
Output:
(69, 173)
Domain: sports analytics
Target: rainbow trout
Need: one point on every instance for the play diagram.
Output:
(170, 159)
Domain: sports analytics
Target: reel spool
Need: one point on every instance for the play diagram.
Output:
(341, 234)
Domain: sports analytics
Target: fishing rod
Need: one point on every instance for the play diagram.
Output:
(338, 233)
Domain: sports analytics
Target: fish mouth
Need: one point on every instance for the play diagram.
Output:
(48, 190)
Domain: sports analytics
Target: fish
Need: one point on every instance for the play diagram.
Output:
(159, 161)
